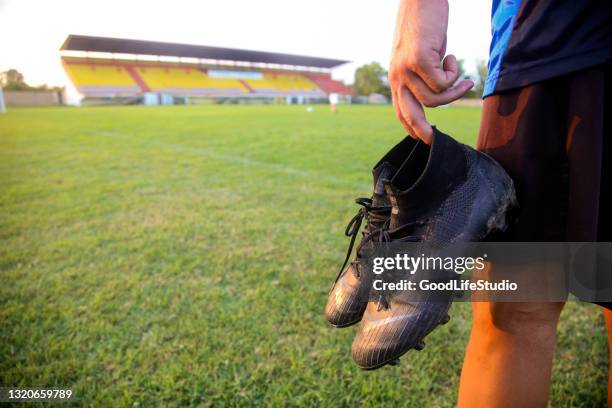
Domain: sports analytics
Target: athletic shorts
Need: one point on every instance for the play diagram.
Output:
(553, 139)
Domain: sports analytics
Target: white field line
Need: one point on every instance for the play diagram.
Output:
(275, 167)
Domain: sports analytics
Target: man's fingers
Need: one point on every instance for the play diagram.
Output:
(431, 99)
(412, 112)
(455, 92)
(439, 77)
(431, 87)
(399, 115)
(450, 67)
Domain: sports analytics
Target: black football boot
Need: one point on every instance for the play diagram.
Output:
(347, 302)
(445, 193)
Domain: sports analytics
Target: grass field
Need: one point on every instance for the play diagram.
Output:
(182, 256)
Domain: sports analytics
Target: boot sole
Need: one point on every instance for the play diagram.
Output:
(343, 326)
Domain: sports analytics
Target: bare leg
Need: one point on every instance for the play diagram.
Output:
(508, 360)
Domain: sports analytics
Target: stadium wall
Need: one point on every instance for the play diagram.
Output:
(33, 98)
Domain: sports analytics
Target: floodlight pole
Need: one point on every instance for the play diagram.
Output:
(2, 105)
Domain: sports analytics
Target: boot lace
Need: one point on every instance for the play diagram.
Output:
(374, 215)
(385, 235)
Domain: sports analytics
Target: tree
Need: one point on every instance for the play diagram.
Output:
(13, 80)
(482, 70)
(371, 78)
(11, 76)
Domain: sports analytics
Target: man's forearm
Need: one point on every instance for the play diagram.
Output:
(425, 19)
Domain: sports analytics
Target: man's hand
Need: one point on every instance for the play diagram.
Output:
(420, 74)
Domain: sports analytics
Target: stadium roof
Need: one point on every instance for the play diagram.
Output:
(125, 46)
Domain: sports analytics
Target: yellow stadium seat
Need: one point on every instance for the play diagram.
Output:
(282, 82)
(99, 75)
(116, 77)
(160, 78)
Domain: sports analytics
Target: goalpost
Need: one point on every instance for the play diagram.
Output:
(2, 105)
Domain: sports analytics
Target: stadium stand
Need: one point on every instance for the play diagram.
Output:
(328, 85)
(218, 73)
(184, 81)
(101, 80)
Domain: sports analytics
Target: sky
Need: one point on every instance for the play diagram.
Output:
(361, 31)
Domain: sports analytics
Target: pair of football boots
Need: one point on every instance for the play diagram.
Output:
(445, 193)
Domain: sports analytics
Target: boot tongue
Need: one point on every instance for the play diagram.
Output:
(384, 171)
(386, 168)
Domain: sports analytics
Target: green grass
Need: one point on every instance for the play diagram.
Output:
(182, 256)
